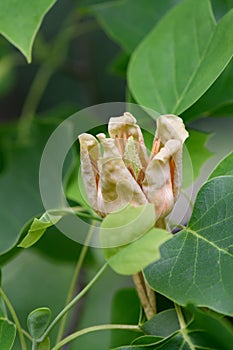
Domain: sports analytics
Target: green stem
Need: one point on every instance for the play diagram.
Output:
(95, 329)
(183, 327)
(34, 344)
(16, 320)
(180, 316)
(75, 279)
(72, 303)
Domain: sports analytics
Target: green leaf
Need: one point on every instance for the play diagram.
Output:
(136, 244)
(196, 264)
(38, 228)
(199, 154)
(146, 340)
(225, 167)
(200, 333)
(126, 225)
(178, 68)
(48, 219)
(126, 310)
(20, 21)
(128, 21)
(7, 334)
(38, 320)
(163, 324)
(215, 98)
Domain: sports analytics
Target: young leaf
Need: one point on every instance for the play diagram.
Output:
(178, 68)
(37, 229)
(38, 321)
(7, 334)
(225, 167)
(195, 266)
(20, 21)
(133, 241)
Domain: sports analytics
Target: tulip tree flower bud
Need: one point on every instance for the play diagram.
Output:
(124, 173)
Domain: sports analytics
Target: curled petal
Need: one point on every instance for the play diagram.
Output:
(158, 184)
(117, 186)
(169, 127)
(90, 153)
(123, 127)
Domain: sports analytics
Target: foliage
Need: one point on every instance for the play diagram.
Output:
(171, 56)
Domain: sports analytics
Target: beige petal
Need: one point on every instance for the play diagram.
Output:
(117, 186)
(90, 153)
(158, 184)
(169, 127)
(124, 126)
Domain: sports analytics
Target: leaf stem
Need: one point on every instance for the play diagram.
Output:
(180, 316)
(15, 318)
(72, 303)
(95, 329)
(183, 327)
(75, 279)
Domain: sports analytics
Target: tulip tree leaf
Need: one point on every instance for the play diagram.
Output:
(225, 167)
(127, 21)
(134, 241)
(146, 340)
(7, 334)
(163, 324)
(196, 264)
(170, 80)
(200, 333)
(20, 21)
(199, 154)
(215, 98)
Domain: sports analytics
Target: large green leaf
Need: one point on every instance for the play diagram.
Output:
(196, 264)
(180, 59)
(225, 167)
(200, 333)
(163, 324)
(128, 21)
(20, 21)
(220, 94)
(7, 334)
